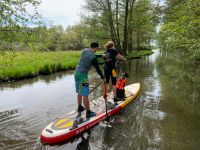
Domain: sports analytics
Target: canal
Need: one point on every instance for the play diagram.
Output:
(165, 116)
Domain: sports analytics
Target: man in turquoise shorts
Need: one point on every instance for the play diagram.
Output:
(88, 58)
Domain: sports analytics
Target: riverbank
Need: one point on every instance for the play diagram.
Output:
(21, 65)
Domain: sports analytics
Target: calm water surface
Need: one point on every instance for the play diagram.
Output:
(165, 116)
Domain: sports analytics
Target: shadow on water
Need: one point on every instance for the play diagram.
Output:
(84, 144)
(165, 116)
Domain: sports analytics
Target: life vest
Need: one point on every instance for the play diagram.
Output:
(120, 83)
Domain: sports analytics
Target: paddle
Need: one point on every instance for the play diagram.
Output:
(96, 86)
(105, 97)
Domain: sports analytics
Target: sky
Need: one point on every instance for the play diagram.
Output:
(61, 12)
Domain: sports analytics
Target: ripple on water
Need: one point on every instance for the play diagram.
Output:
(6, 114)
(155, 139)
(154, 114)
(20, 130)
(8, 117)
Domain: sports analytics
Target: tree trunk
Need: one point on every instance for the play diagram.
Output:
(130, 28)
(125, 40)
(111, 23)
(118, 44)
(130, 42)
(138, 38)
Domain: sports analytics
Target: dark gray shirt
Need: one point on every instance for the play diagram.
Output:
(88, 58)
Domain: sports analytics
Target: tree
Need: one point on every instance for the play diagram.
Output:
(116, 17)
(14, 19)
(180, 30)
(73, 38)
(14, 12)
(143, 24)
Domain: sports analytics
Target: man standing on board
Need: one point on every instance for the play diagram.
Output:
(88, 58)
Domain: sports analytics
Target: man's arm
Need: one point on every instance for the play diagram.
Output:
(95, 63)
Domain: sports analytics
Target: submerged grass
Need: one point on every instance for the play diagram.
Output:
(20, 65)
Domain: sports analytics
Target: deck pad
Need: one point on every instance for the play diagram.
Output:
(98, 107)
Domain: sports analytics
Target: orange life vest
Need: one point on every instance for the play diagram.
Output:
(120, 83)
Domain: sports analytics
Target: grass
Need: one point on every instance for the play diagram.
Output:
(21, 65)
(136, 54)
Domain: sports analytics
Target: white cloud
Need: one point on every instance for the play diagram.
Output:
(64, 12)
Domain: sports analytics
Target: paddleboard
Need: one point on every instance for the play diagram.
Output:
(64, 128)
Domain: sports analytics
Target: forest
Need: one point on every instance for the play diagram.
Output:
(130, 24)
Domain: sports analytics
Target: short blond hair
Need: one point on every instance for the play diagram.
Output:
(109, 44)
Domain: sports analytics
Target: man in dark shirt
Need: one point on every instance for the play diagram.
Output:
(88, 58)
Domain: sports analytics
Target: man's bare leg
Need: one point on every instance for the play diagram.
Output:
(86, 103)
(79, 99)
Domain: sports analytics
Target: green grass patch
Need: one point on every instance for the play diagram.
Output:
(19, 65)
(136, 54)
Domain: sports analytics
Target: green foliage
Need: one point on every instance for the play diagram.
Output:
(143, 23)
(95, 28)
(14, 19)
(181, 28)
(15, 12)
(73, 38)
(17, 38)
(130, 24)
(50, 38)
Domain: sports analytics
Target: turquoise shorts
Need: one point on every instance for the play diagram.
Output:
(81, 82)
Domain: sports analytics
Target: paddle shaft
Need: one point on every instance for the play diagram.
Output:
(119, 63)
(105, 97)
(96, 86)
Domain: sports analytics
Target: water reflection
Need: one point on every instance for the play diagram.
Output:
(181, 92)
(44, 79)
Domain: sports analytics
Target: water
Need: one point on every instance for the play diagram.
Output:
(165, 116)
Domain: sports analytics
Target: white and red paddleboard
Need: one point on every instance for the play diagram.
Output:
(64, 128)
